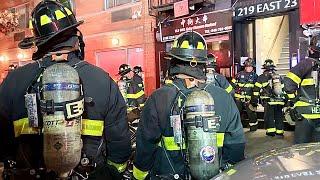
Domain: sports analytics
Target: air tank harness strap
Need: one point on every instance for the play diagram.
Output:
(72, 109)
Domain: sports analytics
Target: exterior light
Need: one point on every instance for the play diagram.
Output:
(115, 41)
(2, 58)
(20, 56)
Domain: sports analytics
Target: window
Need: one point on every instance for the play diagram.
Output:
(23, 12)
(114, 3)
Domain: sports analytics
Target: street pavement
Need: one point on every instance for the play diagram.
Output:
(258, 142)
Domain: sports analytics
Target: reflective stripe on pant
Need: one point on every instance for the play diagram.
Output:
(307, 131)
(251, 114)
(273, 118)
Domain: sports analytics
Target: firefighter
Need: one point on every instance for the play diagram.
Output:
(137, 79)
(158, 152)
(137, 70)
(133, 91)
(302, 87)
(269, 89)
(243, 84)
(105, 136)
(216, 78)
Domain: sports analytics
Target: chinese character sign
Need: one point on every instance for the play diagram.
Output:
(205, 24)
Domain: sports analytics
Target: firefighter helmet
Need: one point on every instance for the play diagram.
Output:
(51, 24)
(268, 64)
(249, 62)
(189, 47)
(124, 69)
(137, 69)
(212, 61)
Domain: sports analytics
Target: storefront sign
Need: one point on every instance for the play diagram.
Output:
(264, 7)
(181, 8)
(205, 24)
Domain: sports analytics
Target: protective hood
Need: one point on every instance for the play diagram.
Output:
(196, 72)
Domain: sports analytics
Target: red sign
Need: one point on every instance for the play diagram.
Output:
(181, 8)
(206, 24)
(309, 11)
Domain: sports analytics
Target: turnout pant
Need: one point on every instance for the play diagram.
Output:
(251, 114)
(273, 118)
(307, 131)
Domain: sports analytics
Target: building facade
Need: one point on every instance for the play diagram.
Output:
(115, 32)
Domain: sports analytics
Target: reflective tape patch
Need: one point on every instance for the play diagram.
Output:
(44, 19)
(307, 82)
(170, 145)
(294, 77)
(89, 127)
(21, 126)
(30, 24)
(120, 167)
(68, 11)
(138, 174)
(175, 44)
(259, 85)
(271, 130)
(135, 96)
(276, 103)
(185, 45)
(254, 124)
(168, 82)
(92, 127)
(256, 93)
(291, 96)
(229, 89)
(220, 139)
(311, 116)
(200, 45)
(233, 80)
(301, 104)
(246, 85)
(231, 172)
(59, 14)
(265, 84)
(279, 131)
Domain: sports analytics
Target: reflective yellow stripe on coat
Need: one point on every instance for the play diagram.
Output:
(276, 103)
(21, 126)
(89, 127)
(170, 145)
(311, 116)
(121, 167)
(92, 127)
(294, 77)
(135, 96)
(138, 174)
(307, 82)
(229, 89)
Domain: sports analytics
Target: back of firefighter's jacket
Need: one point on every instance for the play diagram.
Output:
(302, 88)
(156, 148)
(24, 142)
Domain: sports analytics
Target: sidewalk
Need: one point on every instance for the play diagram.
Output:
(258, 142)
